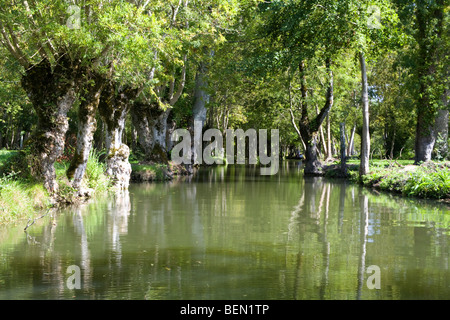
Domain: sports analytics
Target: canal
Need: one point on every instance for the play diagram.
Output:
(230, 233)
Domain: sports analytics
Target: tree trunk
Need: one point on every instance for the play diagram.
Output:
(87, 124)
(322, 135)
(309, 129)
(312, 164)
(201, 97)
(430, 18)
(113, 109)
(159, 129)
(365, 139)
(441, 149)
(151, 123)
(52, 93)
(171, 126)
(391, 152)
(351, 144)
(329, 150)
(425, 137)
(139, 117)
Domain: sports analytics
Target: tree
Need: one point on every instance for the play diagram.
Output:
(427, 25)
(303, 31)
(61, 49)
(192, 31)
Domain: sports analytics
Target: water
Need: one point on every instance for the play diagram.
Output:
(229, 233)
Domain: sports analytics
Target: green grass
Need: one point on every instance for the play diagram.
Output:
(20, 199)
(21, 196)
(95, 173)
(430, 180)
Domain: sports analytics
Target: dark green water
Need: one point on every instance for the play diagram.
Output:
(229, 233)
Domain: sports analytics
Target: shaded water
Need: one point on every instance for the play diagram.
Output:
(229, 233)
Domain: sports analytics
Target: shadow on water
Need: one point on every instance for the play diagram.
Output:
(230, 233)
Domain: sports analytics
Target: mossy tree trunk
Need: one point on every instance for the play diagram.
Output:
(87, 124)
(430, 27)
(52, 92)
(151, 123)
(365, 137)
(309, 129)
(113, 108)
(201, 99)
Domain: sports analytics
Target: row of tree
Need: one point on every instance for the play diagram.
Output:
(141, 68)
(106, 58)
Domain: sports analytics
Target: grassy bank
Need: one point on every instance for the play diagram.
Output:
(143, 171)
(429, 180)
(23, 197)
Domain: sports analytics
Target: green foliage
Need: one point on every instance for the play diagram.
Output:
(429, 180)
(429, 183)
(149, 172)
(15, 164)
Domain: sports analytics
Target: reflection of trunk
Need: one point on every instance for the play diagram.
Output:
(341, 207)
(84, 244)
(52, 93)
(364, 224)
(326, 246)
(365, 139)
(309, 128)
(113, 109)
(87, 125)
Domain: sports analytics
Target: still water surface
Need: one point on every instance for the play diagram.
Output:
(229, 233)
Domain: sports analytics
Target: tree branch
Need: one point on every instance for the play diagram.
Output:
(317, 122)
(181, 84)
(14, 49)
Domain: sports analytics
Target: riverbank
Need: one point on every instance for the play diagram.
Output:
(430, 180)
(151, 172)
(22, 197)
